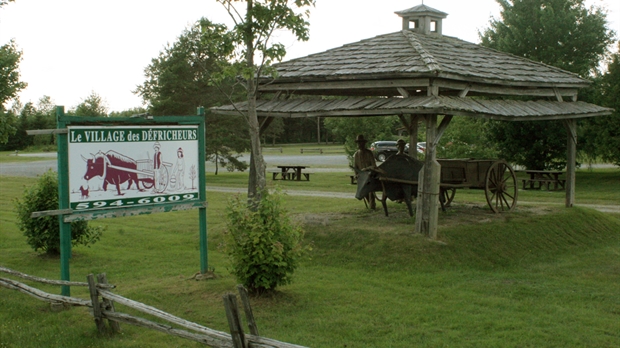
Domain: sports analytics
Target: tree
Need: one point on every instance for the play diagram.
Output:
(128, 112)
(462, 140)
(601, 135)
(31, 116)
(92, 105)
(275, 129)
(563, 33)
(253, 33)
(10, 85)
(180, 79)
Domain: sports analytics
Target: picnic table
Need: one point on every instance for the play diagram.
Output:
(290, 172)
(539, 178)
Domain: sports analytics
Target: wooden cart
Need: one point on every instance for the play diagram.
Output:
(495, 177)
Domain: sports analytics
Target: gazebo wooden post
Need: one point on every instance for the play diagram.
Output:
(412, 127)
(413, 136)
(427, 207)
(571, 159)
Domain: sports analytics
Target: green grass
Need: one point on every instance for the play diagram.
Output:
(543, 277)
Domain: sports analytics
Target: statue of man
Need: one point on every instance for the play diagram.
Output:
(364, 158)
(400, 144)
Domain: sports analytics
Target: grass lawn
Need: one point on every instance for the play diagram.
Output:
(539, 277)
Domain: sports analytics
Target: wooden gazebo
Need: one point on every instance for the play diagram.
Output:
(418, 74)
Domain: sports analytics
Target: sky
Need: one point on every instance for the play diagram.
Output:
(72, 48)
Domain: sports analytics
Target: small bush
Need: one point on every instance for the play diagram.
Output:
(264, 246)
(44, 233)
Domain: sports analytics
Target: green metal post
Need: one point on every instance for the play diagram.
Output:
(63, 200)
(202, 211)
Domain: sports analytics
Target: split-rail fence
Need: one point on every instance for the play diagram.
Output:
(102, 301)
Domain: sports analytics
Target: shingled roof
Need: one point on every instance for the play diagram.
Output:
(407, 54)
(420, 71)
(507, 110)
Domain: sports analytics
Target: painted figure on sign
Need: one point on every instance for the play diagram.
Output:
(178, 173)
(364, 159)
(156, 166)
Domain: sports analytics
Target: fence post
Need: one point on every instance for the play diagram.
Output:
(94, 298)
(234, 322)
(247, 308)
(108, 305)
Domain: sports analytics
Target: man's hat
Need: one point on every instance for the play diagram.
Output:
(360, 139)
(156, 145)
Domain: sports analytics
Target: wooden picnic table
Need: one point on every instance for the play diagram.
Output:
(540, 178)
(289, 172)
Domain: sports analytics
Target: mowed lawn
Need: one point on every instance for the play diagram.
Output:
(543, 276)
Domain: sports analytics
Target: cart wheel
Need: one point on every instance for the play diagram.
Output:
(162, 183)
(501, 187)
(448, 196)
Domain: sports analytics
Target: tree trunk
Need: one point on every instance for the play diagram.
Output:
(257, 180)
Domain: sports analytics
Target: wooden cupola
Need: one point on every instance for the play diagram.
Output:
(422, 19)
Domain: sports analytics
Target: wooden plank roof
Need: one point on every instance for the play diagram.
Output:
(507, 110)
(406, 54)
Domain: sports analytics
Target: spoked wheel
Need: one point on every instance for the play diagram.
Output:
(448, 196)
(501, 187)
(162, 180)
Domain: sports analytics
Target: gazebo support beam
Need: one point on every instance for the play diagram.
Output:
(428, 185)
(412, 128)
(571, 160)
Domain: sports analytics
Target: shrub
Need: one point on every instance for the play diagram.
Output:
(44, 233)
(264, 246)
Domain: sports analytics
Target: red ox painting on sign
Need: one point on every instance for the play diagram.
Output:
(115, 169)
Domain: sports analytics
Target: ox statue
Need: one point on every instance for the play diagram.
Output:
(114, 168)
(391, 178)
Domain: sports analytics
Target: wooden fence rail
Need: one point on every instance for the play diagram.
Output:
(103, 301)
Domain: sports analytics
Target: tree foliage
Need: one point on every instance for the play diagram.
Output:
(5, 2)
(44, 233)
(31, 116)
(92, 105)
(601, 135)
(10, 85)
(462, 140)
(562, 33)
(255, 52)
(181, 78)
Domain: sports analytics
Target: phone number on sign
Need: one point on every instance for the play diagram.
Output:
(117, 203)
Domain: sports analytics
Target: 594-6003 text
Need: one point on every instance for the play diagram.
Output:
(117, 203)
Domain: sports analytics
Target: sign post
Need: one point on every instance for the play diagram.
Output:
(63, 202)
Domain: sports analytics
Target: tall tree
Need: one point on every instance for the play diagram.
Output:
(92, 105)
(254, 28)
(180, 79)
(563, 33)
(31, 116)
(601, 135)
(10, 85)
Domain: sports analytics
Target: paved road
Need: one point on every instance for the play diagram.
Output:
(32, 169)
(337, 163)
